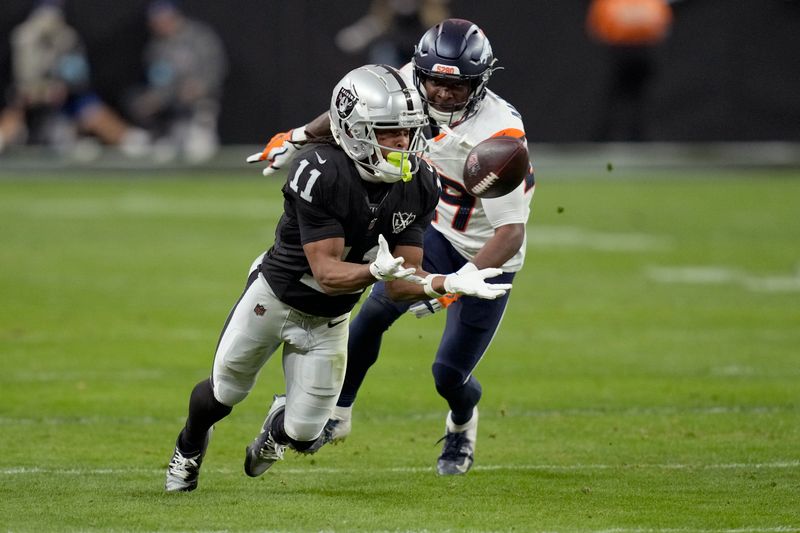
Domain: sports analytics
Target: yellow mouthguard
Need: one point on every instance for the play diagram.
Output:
(400, 161)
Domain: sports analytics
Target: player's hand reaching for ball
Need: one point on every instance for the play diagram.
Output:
(386, 267)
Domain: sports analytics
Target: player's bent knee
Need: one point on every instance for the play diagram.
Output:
(303, 430)
(446, 377)
(229, 392)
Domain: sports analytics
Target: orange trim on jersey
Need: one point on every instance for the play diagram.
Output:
(439, 137)
(510, 132)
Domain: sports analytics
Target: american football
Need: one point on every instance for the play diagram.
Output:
(496, 166)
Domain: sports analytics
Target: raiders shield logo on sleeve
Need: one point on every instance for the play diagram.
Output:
(345, 102)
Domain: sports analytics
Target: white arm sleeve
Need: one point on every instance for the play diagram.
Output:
(513, 208)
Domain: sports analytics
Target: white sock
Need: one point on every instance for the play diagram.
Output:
(342, 413)
(459, 428)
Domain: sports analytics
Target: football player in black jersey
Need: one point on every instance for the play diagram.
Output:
(348, 204)
(451, 67)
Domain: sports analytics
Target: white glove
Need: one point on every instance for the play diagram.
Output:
(434, 305)
(280, 150)
(470, 282)
(386, 267)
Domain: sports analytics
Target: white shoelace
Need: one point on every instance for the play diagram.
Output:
(182, 467)
(271, 451)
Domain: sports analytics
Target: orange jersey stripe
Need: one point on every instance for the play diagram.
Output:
(510, 132)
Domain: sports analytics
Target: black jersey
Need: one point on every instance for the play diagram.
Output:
(325, 197)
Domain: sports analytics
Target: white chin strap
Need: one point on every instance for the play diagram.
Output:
(384, 173)
(445, 118)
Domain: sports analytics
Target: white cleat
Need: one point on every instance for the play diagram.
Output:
(183, 469)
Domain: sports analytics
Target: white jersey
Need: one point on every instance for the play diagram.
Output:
(466, 221)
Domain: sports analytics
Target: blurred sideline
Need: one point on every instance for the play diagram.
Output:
(554, 158)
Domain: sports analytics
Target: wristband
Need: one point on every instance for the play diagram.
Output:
(428, 286)
(298, 134)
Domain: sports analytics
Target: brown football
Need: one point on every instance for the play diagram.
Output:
(496, 166)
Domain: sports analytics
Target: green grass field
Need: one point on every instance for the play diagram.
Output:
(646, 377)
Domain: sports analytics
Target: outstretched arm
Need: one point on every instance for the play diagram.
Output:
(338, 277)
(501, 247)
(282, 147)
(319, 127)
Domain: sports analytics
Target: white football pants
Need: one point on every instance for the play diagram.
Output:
(314, 357)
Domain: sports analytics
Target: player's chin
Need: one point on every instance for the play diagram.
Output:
(448, 108)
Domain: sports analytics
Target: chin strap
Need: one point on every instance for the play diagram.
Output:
(444, 118)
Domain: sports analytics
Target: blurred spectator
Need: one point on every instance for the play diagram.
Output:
(185, 66)
(391, 29)
(630, 29)
(50, 100)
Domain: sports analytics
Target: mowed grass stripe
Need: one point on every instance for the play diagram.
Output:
(778, 465)
(436, 415)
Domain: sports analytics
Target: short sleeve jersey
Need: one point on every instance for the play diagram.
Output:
(325, 197)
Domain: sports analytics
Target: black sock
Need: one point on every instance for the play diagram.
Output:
(204, 412)
(278, 432)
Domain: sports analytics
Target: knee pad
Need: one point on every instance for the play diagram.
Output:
(303, 429)
(228, 392)
(205, 399)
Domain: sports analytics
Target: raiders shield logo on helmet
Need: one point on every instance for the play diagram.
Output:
(345, 102)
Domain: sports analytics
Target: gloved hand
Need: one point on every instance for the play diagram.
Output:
(469, 280)
(429, 307)
(386, 267)
(280, 150)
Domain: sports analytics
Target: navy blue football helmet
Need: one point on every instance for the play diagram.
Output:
(454, 49)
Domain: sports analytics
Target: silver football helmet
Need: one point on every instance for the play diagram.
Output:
(375, 97)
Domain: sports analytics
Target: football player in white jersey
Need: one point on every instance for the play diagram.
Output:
(451, 67)
(349, 202)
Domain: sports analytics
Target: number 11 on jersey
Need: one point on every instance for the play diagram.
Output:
(313, 175)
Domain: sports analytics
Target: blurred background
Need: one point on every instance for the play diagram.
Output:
(722, 71)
